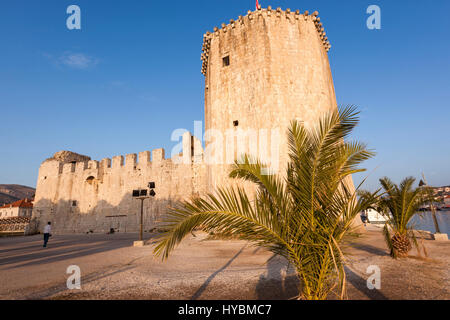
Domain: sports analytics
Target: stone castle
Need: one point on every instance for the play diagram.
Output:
(261, 71)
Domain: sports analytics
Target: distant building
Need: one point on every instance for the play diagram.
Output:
(447, 200)
(375, 217)
(442, 191)
(21, 208)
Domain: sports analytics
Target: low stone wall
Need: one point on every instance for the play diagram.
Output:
(14, 226)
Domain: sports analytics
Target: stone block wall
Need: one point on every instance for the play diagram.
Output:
(262, 71)
(96, 196)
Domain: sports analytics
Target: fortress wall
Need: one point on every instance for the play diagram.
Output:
(278, 71)
(47, 186)
(91, 195)
(263, 70)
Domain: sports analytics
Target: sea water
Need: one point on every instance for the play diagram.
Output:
(424, 221)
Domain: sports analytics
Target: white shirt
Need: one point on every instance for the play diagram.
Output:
(47, 229)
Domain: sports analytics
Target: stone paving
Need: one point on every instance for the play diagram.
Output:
(111, 268)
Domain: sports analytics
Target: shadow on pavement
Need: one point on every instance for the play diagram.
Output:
(61, 248)
(277, 284)
(203, 287)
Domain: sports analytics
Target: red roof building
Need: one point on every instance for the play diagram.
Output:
(21, 208)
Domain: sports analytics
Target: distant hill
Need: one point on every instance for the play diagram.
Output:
(13, 192)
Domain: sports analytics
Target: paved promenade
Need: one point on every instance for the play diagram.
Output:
(201, 269)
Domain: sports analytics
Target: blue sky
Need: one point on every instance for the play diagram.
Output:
(131, 76)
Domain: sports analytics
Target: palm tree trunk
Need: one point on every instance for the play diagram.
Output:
(401, 244)
(433, 213)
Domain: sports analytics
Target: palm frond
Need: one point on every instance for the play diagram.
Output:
(305, 215)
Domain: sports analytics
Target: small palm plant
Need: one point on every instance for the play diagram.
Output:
(304, 216)
(403, 202)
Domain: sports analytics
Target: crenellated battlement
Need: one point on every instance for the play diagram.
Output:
(261, 12)
(96, 192)
(93, 164)
(192, 152)
(81, 166)
(117, 162)
(68, 168)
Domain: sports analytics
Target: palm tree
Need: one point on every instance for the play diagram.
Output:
(430, 195)
(403, 202)
(304, 216)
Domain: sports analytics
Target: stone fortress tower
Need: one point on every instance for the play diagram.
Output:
(261, 71)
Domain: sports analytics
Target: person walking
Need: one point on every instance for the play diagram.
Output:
(364, 218)
(47, 233)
